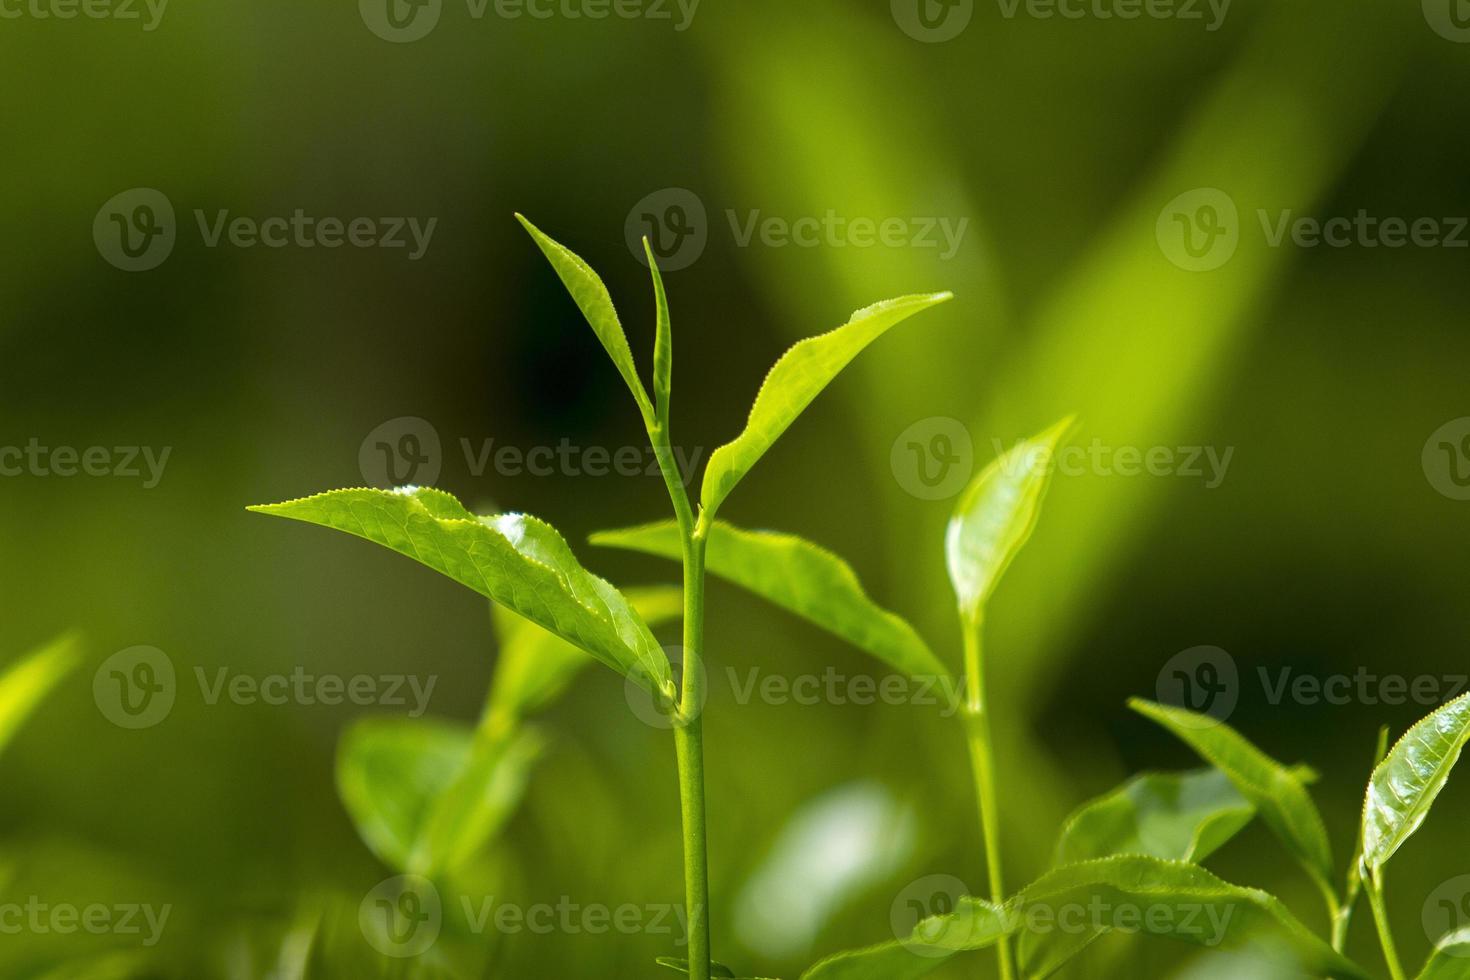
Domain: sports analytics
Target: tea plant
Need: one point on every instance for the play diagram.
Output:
(524, 565)
(1134, 854)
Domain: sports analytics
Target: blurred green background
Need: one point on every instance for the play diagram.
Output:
(1061, 143)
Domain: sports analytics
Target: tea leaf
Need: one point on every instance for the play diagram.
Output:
(1162, 898)
(1450, 959)
(392, 773)
(516, 560)
(795, 381)
(27, 682)
(1275, 791)
(1407, 782)
(976, 924)
(477, 802)
(663, 341)
(596, 304)
(996, 515)
(1172, 816)
(535, 666)
(798, 576)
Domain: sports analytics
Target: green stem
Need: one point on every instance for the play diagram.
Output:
(982, 758)
(1385, 934)
(689, 725)
(1344, 918)
(1343, 921)
(689, 740)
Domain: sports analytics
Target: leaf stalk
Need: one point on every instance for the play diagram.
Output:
(1380, 918)
(982, 759)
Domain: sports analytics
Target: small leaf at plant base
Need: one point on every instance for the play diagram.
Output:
(1169, 899)
(974, 924)
(1275, 791)
(795, 381)
(1450, 959)
(534, 666)
(26, 683)
(663, 341)
(516, 560)
(1173, 816)
(798, 576)
(596, 304)
(996, 515)
(1407, 782)
(391, 773)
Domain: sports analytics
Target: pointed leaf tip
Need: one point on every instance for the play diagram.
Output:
(798, 377)
(996, 515)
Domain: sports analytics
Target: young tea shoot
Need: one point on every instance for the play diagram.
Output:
(525, 566)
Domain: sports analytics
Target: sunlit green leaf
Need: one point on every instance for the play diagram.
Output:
(1173, 816)
(798, 576)
(795, 381)
(1067, 909)
(26, 682)
(394, 775)
(663, 341)
(975, 924)
(535, 666)
(996, 515)
(1450, 959)
(514, 559)
(592, 298)
(1275, 790)
(1407, 782)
